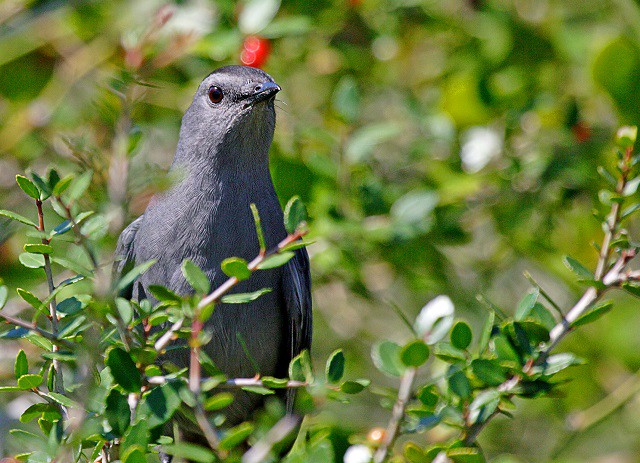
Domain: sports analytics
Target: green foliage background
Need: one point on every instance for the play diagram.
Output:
(379, 99)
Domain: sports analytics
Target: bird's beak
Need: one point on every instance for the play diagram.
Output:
(264, 91)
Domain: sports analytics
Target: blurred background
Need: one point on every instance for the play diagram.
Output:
(441, 147)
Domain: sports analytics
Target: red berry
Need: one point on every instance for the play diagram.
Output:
(255, 51)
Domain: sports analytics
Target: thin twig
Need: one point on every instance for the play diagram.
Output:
(257, 382)
(544, 294)
(168, 336)
(404, 391)
(32, 327)
(53, 310)
(261, 449)
(82, 240)
(239, 383)
(253, 265)
(195, 381)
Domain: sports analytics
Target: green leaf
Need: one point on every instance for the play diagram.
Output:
(334, 368)
(242, 298)
(78, 186)
(9, 389)
(70, 306)
(125, 310)
(60, 399)
(61, 356)
(117, 412)
(630, 210)
(363, 140)
(386, 357)
(459, 384)
(132, 275)
(414, 354)
(258, 390)
(354, 387)
(43, 187)
(274, 383)
(236, 267)
(46, 410)
(61, 228)
(489, 372)
(485, 337)
(236, 435)
(543, 316)
(578, 269)
(429, 396)
(134, 454)
(38, 248)
(218, 401)
(414, 453)
(160, 404)
(123, 370)
(193, 452)
(559, 362)
(296, 245)
(346, 98)
(27, 186)
(294, 214)
(534, 330)
(448, 353)
(31, 260)
(276, 260)
(593, 314)
(4, 296)
(62, 185)
(526, 304)
(137, 434)
(164, 294)
(258, 224)
(195, 277)
(483, 406)
(17, 218)
(29, 381)
(631, 289)
(605, 174)
(300, 367)
(504, 350)
(21, 366)
(461, 335)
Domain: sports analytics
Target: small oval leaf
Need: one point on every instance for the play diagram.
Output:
(236, 267)
(415, 353)
(335, 366)
(27, 186)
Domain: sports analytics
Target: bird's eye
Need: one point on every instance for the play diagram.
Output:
(215, 94)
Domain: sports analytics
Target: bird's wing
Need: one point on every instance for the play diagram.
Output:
(297, 297)
(125, 253)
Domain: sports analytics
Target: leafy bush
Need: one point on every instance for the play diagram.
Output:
(119, 403)
(441, 148)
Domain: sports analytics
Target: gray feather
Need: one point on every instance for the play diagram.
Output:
(222, 156)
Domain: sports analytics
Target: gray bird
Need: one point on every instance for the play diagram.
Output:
(223, 156)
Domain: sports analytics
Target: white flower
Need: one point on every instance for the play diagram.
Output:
(435, 319)
(479, 146)
(358, 454)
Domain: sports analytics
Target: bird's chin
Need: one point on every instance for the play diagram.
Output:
(259, 102)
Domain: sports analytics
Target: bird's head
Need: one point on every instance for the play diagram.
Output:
(232, 111)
